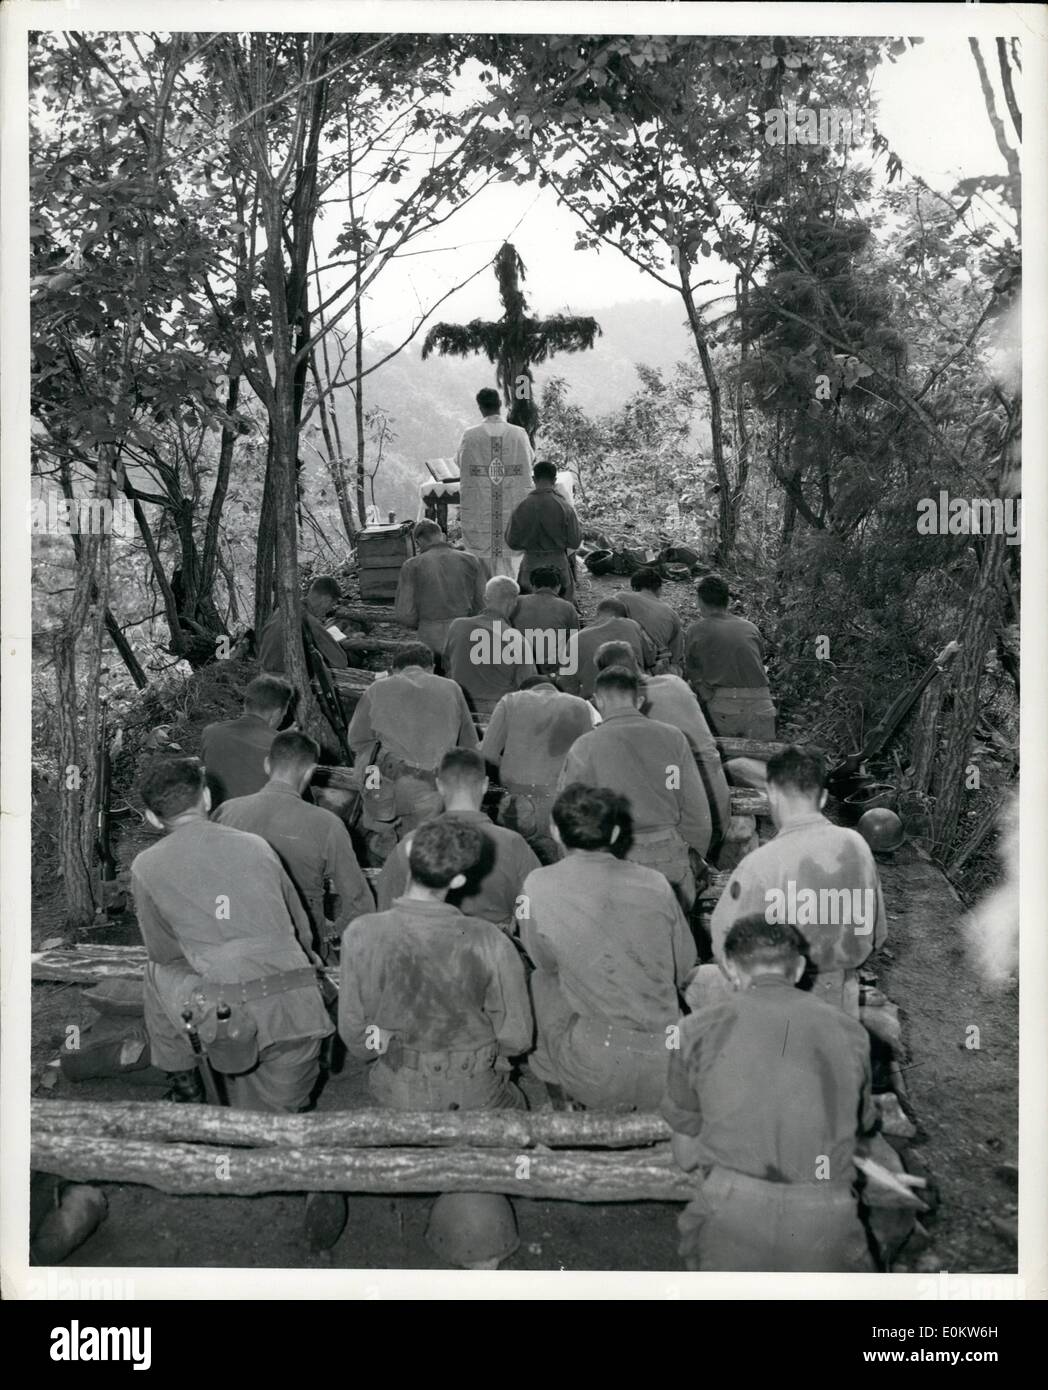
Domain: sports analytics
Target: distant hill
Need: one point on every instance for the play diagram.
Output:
(431, 402)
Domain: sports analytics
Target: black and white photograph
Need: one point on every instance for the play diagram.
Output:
(513, 580)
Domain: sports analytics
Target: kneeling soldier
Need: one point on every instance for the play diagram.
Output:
(767, 1097)
(437, 999)
(223, 925)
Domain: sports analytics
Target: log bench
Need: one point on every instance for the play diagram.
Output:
(572, 1156)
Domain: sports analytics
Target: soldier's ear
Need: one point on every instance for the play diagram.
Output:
(459, 881)
(154, 820)
(797, 971)
(207, 800)
(266, 766)
(616, 831)
(823, 798)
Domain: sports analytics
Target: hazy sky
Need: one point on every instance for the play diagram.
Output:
(930, 109)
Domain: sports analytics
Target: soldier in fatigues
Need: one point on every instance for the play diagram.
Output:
(528, 739)
(724, 664)
(611, 947)
(612, 625)
(313, 844)
(437, 585)
(817, 876)
(487, 655)
(435, 1000)
(401, 728)
(494, 882)
(767, 1096)
(658, 620)
(222, 922)
(670, 700)
(651, 765)
(235, 749)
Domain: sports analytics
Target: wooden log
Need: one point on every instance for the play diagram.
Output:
(748, 748)
(365, 613)
(629, 1175)
(352, 681)
(156, 1121)
(91, 964)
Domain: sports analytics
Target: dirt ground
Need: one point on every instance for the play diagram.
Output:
(962, 1097)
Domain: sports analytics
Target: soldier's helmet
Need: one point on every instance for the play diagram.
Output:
(474, 1230)
(881, 829)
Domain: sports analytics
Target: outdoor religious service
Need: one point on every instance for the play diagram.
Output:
(530, 788)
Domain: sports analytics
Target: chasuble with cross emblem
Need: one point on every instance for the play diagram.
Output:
(494, 461)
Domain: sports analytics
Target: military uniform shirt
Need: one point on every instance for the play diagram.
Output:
(438, 584)
(271, 644)
(235, 752)
(771, 1081)
(657, 619)
(485, 681)
(433, 977)
(416, 716)
(313, 844)
(636, 757)
(492, 886)
(724, 650)
(219, 900)
(613, 934)
(531, 732)
(812, 853)
(591, 638)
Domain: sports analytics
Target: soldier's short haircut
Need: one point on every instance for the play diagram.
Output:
(442, 848)
(268, 694)
(326, 584)
(754, 943)
(414, 654)
(427, 531)
(613, 605)
(489, 400)
(615, 654)
(713, 591)
(798, 769)
(617, 680)
(545, 469)
(586, 817)
(171, 786)
(646, 578)
(462, 767)
(501, 589)
(292, 751)
(545, 577)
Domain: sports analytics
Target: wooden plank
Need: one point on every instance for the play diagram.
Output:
(157, 1121)
(628, 1175)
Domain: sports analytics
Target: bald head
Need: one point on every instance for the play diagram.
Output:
(501, 594)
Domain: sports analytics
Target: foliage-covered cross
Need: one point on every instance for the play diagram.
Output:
(515, 341)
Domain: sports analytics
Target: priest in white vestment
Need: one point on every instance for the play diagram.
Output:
(494, 461)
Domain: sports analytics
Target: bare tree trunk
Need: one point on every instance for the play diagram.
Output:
(725, 509)
(924, 736)
(979, 626)
(358, 403)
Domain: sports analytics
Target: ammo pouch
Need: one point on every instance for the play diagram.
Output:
(231, 1043)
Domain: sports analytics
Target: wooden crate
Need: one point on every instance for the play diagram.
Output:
(381, 551)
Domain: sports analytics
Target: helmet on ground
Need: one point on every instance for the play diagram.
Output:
(881, 829)
(474, 1230)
